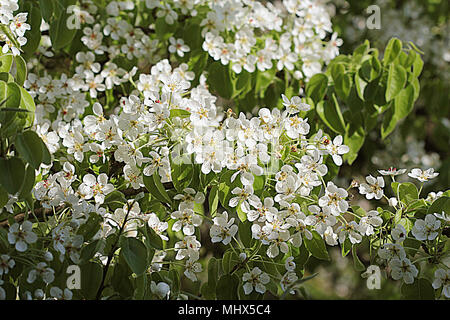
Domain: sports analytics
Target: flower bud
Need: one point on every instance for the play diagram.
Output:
(48, 256)
(393, 201)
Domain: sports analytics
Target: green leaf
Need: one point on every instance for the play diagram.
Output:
(416, 85)
(208, 292)
(34, 19)
(91, 227)
(362, 49)
(6, 62)
(229, 260)
(302, 257)
(406, 223)
(392, 51)
(153, 239)
(29, 146)
(342, 85)
(317, 246)
(156, 188)
(213, 200)
(21, 70)
(243, 83)
(181, 168)
(421, 289)
(115, 199)
(330, 113)
(366, 71)
(179, 113)
(358, 211)
(360, 86)
(197, 63)
(398, 216)
(263, 80)
(417, 66)
(316, 87)
(174, 276)
(120, 279)
(407, 191)
(241, 214)
(208, 289)
(404, 102)
(336, 70)
(346, 247)
(439, 205)
(91, 278)
(407, 59)
(10, 290)
(27, 102)
(88, 251)
(296, 284)
(28, 183)
(160, 187)
(60, 35)
(219, 80)
(259, 184)
(12, 174)
(396, 81)
(135, 254)
(11, 122)
(164, 30)
(46, 156)
(213, 270)
(354, 139)
(6, 77)
(46, 9)
(225, 188)
(192, 35)
(357, 264)
(141, 287)
(227, 287)
(389, 122)
(411, 246)
(333, 169)
(14, 95)
(205, 179)
(3, 197)
(245, 233)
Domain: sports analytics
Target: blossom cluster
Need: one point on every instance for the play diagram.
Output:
(139, 136)
(102, 142)
(297, 31)
(13, 27)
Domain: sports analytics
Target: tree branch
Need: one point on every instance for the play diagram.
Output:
(40, 213)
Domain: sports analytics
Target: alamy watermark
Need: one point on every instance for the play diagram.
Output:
(374, 19)
(74, 279)
(74, 19)
(373, 275)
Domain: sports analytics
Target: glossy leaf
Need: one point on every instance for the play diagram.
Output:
(317, 246)
(29, 146)
(135, 254)
(421, 289)
(12, 174)
(396, 81)
(316, 87)
(227, 287)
